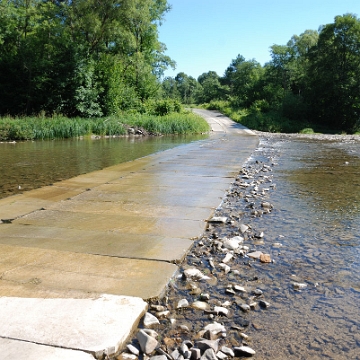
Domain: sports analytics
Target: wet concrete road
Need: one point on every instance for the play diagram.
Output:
(120, 230)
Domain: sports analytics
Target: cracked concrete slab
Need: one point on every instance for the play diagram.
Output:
(117, 231)
(86, 325)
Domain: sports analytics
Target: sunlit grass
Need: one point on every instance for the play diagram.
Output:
(59, 127)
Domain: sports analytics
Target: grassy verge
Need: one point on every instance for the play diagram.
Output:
(59, 127)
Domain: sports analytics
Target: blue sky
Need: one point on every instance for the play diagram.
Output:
(204, 35)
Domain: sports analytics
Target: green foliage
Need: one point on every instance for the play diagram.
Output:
(60, 127)
(80, 58)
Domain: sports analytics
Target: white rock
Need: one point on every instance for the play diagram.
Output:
(133, 349)
(243, 228)
(215, 327)
(227, 258)
(244, 350)
(195, 274)
(147, 343)
(182, 303)
(221, 310)
(231, 244)
(298, 286)
(239, 288)
(221, 219)
(226, 350)
(200, 305)
(150, 320)
(225, 267)
(244, 307)
(255, 254)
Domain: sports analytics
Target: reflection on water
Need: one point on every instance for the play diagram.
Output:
(30, 165)
(316, 217)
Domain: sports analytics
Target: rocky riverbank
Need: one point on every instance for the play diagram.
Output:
(206, 312)
(209, 309)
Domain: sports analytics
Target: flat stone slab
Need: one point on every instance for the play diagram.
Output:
(36, 272)
(23, 350)
(97, 326)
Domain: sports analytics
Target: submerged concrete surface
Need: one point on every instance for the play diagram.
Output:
(117, 231)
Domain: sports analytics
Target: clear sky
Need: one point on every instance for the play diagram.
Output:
(204, 35)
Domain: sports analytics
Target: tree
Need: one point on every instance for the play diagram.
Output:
(334, 74)
(187, 87)
(243, 78)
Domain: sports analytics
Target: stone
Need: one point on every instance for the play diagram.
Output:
(258, 292)
(227, 258)
(163, 314)
(133, 349)
(194, 274)
(158, 357)
(255, 254)
(221, 356)
(266, 205)
(151, 333)
(264, 304)
(298, 286)
(218, 219)
(243, 228)
(265, 258)
(127, 356)
(203, 345)
(184, 351)
(209, 354)
(231, 244)
(147, 343)
(244, 351)
(244, 307)
(195, 353)
(150, 320)
(200, 305)
(182, 304)
(175, 354)
(239, 288)
(228, 351)
(221, 310)
(225, 267)
(215, 327)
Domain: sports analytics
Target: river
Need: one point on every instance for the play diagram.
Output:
(32, 164)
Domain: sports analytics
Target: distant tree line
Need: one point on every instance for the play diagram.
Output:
(314, 78)
(80, 57)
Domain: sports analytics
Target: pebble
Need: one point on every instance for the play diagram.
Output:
(265, 258)
(225, 267)
(207, 344)
(298, 286)
(218, 219)
(182, 303)
(221, 310)
(200, 305)
(133, 349)
(244, 307)
(147, 343)
(228, 351)
(215, 327)
(244, 351)
(264, 304)
(255, 254)
(227, 258)
(150, 320)
(209, 354)
(194, 274)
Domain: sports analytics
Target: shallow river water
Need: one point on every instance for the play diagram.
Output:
(316, 218)
(32, 164)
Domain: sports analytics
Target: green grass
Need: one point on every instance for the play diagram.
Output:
(60, 127)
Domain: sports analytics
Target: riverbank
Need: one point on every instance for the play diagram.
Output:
(236, 278)
(60, 127)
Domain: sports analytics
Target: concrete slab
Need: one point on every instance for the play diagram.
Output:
(33, 271)
(23, 350)
(113, 231)
(98, 326)
(115, 244)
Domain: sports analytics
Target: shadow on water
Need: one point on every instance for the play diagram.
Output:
(29, 165)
